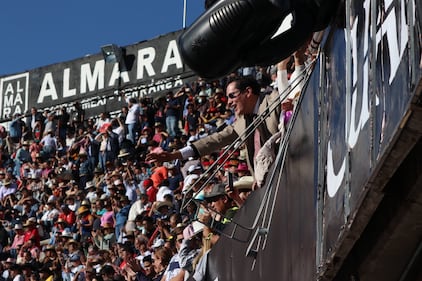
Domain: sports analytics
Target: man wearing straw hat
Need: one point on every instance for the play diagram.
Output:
(31, 231)
(18, 240)
(85, 222)
(6, 189)
(241, 190)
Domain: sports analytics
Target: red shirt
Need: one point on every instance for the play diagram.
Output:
(152, 194)
(32, 233)
(70, 218)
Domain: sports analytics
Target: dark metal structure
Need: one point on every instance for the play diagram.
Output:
(345, 204)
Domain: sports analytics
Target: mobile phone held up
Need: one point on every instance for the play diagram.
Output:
(230, 180)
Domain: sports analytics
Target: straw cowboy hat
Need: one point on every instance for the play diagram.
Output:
(18, 226)
(82, 210)
(30, 221)
(193, 229)
(115, 174)
(89, 184)
(123, 153)
(244, 183)
(86, 203)
(67, 233)
(26, 143)
(73, 241)
(106, 225)
(50, 248)
(161, 204)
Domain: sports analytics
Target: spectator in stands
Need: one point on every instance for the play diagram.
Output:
(192, 119)
(62, 125)
(52, 261)
(16, 127)
(7, 189)
(49, 144)
(92, 148)
(118, 128)
(241, 190)
(103, 120)
(267, 154)
(284, 81)
(33, 118)
(172, 111)
(121, 212)
(68, 216)
(140, 206)
(244, 97)
(218, 204)
(50, 124)
(123, 114)
(18, 241)
(16, 273)
(132, 120)
(77, 116)
(77, 269)
(202, 103)
(104, 238)
(85, 223)
(107, 273)
(109, 147)
(175, 177)
(174, 269)
(22, 156)
(85, 169)
(32, 236)
(161, 259)
(37, 131)
(49, 214)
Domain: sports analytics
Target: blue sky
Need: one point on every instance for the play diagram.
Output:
(39, 33)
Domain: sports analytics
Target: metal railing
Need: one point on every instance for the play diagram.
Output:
(266, 206)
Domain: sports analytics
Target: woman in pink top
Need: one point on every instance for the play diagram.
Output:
(108, 216)
(18, 240)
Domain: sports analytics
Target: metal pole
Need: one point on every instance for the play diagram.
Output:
(184, 13)
(349, 92)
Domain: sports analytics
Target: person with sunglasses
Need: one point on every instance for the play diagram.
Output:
(245, 99)
(174, 269)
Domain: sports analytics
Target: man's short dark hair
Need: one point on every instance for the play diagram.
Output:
(147, 259)
(148, 219)
(107, 269)
(246, 81)
(165, 182)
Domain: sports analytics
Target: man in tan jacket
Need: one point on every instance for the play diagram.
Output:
(246, 100)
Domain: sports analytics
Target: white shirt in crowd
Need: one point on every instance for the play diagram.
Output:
(133, 113)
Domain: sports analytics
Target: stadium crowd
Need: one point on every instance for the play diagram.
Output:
(81, 200)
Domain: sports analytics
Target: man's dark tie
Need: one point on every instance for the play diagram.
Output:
(256, 134)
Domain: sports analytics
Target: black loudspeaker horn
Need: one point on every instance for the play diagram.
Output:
(235, 33)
